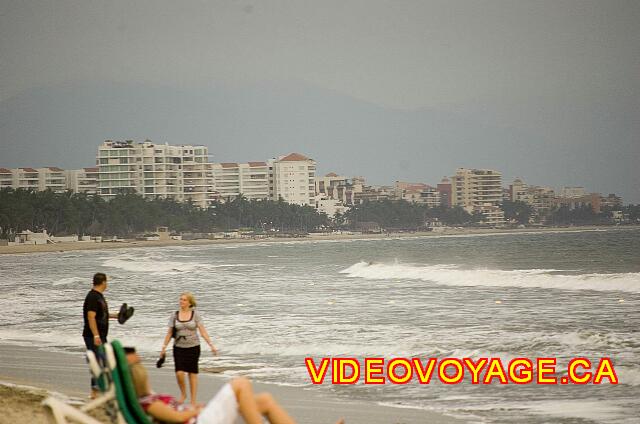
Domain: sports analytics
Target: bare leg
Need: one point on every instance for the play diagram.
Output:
(247, 404)
(181, 385)
(252, 407)
(193, 385)
(272, 410)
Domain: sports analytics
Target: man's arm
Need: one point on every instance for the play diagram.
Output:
(93, 326)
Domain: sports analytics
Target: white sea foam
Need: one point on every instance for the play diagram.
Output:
(589, 339)
(628, 376)
(453, 275)
(159, 265)
(587, 409)
(70, 280)
(150, 265)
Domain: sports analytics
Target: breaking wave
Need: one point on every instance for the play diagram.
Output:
(453, 275)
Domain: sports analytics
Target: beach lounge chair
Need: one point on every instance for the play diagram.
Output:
(58, 412)
(125, 392)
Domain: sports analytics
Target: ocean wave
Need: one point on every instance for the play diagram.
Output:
(150, 265)
(453, 275)
(629, 376)
(71, 280)
(586, 409)
(159, 265)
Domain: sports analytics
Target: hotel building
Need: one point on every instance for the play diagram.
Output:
(6, 178)
(417, 193)
(541, 198)
(83, 180)
(251, 180)
(479, 191)
(292, 179)
(39, 179)
(181, 173)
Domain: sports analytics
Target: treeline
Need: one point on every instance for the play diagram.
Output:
(127, 214)
(400, 214)
(584, 215)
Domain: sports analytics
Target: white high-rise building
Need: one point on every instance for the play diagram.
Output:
(254, 180)
(250, 179)
(39, 179)
(479, 191)
(226, 180)
(6, 178)
(83, 180)
(52, 178)
(181, 173)
(26, 178)
(292, 179)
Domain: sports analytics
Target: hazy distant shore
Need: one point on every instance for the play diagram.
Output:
(71, 246)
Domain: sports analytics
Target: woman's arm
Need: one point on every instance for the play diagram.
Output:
(205, 335)
(163, 412)
(167, 339)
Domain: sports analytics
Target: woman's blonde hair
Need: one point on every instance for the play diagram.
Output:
(191, 298)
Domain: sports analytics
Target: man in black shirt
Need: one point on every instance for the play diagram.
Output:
(95, 314)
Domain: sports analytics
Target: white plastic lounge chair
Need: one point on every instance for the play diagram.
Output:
(58, 412)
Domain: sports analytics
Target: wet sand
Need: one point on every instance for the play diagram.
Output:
(68, 375)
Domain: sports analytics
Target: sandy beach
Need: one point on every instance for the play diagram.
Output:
(27, 375)
(71, 246)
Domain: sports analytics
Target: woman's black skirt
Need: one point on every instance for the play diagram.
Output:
(186, 358)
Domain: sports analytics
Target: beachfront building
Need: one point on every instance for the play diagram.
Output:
(226, 180)
(374, 194)
(572, 192)
(180, 172)
(592, 200)
(542, 199)
(52, 178)
(444, 188)
(292, 179)
(518, 190)
(26, 178)
(83, 180)
(40, 179)
(330, 207)
(6, 178)
(330, 184)
(251, 180)
(479, 191)
(340, 188)
(254, 180)
(611, 201)
(419, 193)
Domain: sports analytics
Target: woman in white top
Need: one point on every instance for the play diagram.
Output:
(186, 347)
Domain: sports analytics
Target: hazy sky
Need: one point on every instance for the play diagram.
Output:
(565, 73)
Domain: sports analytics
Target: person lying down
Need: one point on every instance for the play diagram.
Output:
(235, 397)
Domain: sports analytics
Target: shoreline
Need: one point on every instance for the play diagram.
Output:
(76, 246)
(37, 373)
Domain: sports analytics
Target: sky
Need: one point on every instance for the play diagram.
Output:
(393, 90)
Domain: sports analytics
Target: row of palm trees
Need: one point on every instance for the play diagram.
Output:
(129, 213)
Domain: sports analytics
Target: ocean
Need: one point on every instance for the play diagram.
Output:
(268, 306)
